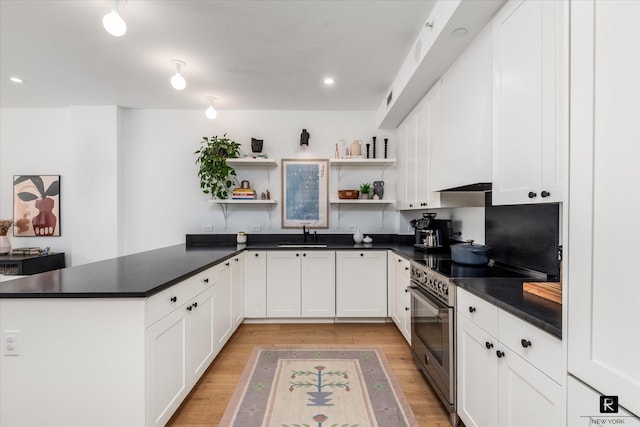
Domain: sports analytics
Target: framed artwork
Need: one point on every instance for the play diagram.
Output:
(36, 205)
(305, 185)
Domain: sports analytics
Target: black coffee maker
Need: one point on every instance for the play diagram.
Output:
(432, 233)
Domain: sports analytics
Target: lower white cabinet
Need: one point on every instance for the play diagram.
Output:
(399, 304)
(496, 386)
(237, 289)
(222, 294)
(361, 284)
(300, 284)
(255, 284)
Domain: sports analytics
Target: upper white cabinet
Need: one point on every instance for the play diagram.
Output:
(463, 137)
(602, 258)
(530, 99)
(361, 284)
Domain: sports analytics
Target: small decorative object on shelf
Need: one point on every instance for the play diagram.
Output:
(216, 176)
(374, 148)
(355, 150)
(241, 237)
(256, 145)
(365, 190)
(5, 244)
(368, 150)
(304, 138)
(386, 142)
(357, 236)
(347, 194)
(378, 189)
(337, 153)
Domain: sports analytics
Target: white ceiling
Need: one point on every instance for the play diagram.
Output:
(250, 54)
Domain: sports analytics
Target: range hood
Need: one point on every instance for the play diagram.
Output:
(479, 186)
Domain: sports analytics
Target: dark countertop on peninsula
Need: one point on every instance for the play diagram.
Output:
(147, 273)
(508, 295)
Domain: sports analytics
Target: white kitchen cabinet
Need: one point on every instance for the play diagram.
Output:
(530, 101)
(583, 408)
(222, 294)
(255, 284)
(361, 284)
(500, 381)
(399, 307)
(300, 284)
(237, 289)
(602, 254)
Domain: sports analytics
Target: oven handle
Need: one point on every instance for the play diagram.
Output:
(427, 299)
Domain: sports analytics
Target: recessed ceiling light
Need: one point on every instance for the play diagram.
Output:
(458, 33)
(328, 81)
(16, 79)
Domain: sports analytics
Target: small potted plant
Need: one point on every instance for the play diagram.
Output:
(216, 176)
(365, 190)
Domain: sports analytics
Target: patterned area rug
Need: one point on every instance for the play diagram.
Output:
(318, 387)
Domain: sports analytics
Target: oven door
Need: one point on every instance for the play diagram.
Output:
(432, 342)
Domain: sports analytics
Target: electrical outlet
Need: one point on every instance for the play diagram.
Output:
(208, 227)
(256, 228)
(10, 343)
(351, 228)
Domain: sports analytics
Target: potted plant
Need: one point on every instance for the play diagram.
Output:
(365, 190)
(216, 176)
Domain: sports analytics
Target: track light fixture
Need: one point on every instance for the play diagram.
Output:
(211, 112)
(113, 22)
(177, 81)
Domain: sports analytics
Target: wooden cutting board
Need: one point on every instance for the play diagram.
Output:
(548, 290)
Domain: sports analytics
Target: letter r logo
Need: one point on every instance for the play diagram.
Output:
(608, 404)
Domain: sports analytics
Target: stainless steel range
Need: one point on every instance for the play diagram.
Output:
(433, 298)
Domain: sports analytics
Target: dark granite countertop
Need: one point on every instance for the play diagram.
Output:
(508, 295)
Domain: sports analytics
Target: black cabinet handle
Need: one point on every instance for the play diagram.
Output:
(361, 254)
(410, 206)
(304, 254)
(406, 269)
(500, 354)
(545, 194)
(472, 309)
(488, 345)
(406, 290)
(399, 260)
(206, 280)
(189, 308)
(532, 194)
(256, 254)
(407, 309)
(525, 343)
(195, 304)
(237, 259)
(297, 254)
(227, 264)
(174, 299)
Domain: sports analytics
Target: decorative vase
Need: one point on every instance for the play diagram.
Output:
(378, 188)
(256, 145)
(386, 144)
(368, 150)
(304, 138)
(5, 245)
(355, 148)
(374, 148)
(357, 236)
(44, 224)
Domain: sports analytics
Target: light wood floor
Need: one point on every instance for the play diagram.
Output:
(208, 400)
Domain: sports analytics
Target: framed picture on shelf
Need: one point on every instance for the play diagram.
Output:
(36, 205)
(305, 185)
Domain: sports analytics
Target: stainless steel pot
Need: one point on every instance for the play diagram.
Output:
(470, 254)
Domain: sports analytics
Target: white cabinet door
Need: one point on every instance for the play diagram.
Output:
(529, 101)
(318, 284)
(361, 284)
(477, 365)
(166, 366)
(237, 289)
(402, 298)
(255, 284)
(583, 408)
(222, 321)
(200, 334)
(283, 284)
(527, 397)
(603, 254)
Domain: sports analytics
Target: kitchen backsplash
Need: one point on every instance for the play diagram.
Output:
(524, 235)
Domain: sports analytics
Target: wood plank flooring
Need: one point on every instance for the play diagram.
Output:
(207, 401)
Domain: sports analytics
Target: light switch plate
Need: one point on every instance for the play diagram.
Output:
(10, 343)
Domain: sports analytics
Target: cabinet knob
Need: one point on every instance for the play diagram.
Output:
(361, 254)
(304, 254)
(407, 309)
(406, 269)
(237, 259)
(410, 205)
(545, 194)
(406, 290)
(472, 309)
(525, 343)
(532, 194)
(297, 254)
(500, 354)
(206, 280)
(189, 308)
(399, 260)
(226, 264)
(195, 304)
(174, 299)
(488, 345)
(256, 255)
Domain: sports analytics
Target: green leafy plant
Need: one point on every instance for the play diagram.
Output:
(216, 176)
(365, 188)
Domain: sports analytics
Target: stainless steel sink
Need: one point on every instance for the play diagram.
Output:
(302, 245)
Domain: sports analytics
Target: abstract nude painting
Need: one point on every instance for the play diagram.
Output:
(36, 205)
(305, 193)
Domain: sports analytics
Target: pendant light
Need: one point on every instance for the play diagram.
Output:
(177, 81)
(113, 22)
(211, 112)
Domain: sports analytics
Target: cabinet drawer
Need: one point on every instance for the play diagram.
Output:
(163, 303)
(479, 311)
(539, 348)
(403, 266)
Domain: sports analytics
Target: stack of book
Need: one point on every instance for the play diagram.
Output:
(26, 251)
(243, 194)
